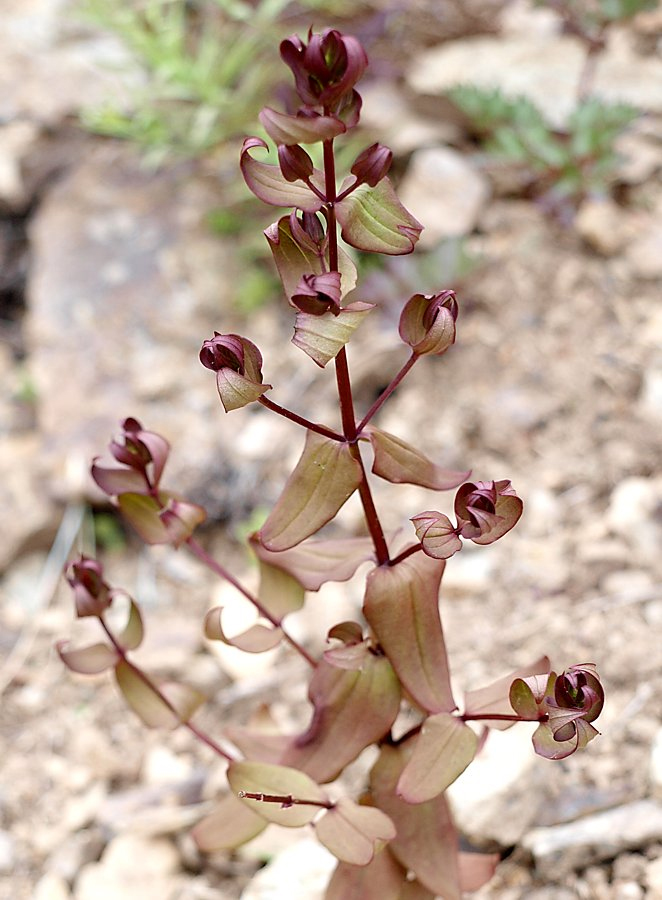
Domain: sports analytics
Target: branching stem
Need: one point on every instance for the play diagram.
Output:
(209, 561)
(300, 420)
(144, 677)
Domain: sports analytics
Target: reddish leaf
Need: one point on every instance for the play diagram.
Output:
(237, 390)
(545, 744)
(381, 879)
(323, 337)
(494, 699)
(402, 607)
(113, 481)
(256, 639)
(324, 478)
(528, 695)
(280, 593)
(87, 660)
(144, 700)
(476, 869)
(353, 651)
(230, 825)
(294, 259)
(266, 778)
(151, 520)
(437, 534)
(316, 562)
(352, 709)
(399, 462)
(426, 841)
(268, 183)
(132, 636)
(373, 219)
(352, 832)
(284, 129)
(442, 751)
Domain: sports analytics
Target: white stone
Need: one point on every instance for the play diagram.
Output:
(654, 879)
(7, 852)
(51, 887)
(603, 225)
(656, 765)
(543, 67)
(497, 798)
(562, 848)
(444, 192)
(300, 872)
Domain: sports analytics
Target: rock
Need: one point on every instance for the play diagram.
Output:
(603, 225)
(74, 852)
(51, 887)
(133, 868)
(650, 397)
(543, 67)
(17, 139)
(118, 306)
(656, 765)
(43, 37)
(561, 848)
(444, 192)
(632, 513)
(654, 879)
(497, 798)
(644, 254)
(7, 852)
(628, 890)
(31, 517)
(310, 861)
(387, 111)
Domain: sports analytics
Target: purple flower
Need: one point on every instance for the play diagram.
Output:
(326, 68)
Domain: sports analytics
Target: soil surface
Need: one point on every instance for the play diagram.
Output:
(555, 382)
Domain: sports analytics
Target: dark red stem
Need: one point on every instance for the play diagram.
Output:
(222, 572)
(283, 800)
(383, 397)
(300, 420)
(343, 380)
(144, 677)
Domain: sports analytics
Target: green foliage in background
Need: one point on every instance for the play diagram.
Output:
(599, 12)
(203, 66)
(575, 162)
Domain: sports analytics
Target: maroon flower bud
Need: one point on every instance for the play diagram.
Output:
(565, 705)
(312, 226)
(238, 366)
(327, 68)
(372, 165)
(427, 322)
(486, 510)
(142, 456)
(223, 351)
(91, 593)
(316, 294)
(295, 164)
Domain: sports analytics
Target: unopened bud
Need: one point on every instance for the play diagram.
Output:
(427, 322)
(91, 593)
(372, 165)
(294, 162)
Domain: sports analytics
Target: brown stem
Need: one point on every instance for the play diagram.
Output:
(383, 397)
(222, 572)
(405, 553)
(343, 380)
(300, 420)
(144, 677)
(284, 800)
(500, 717)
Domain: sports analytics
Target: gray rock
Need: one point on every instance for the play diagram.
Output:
(124, 287)
(654, 879)
(561, 848)
(498, 797)
(134, 868)
(311, 862)
(444, 192)
(543, 67)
